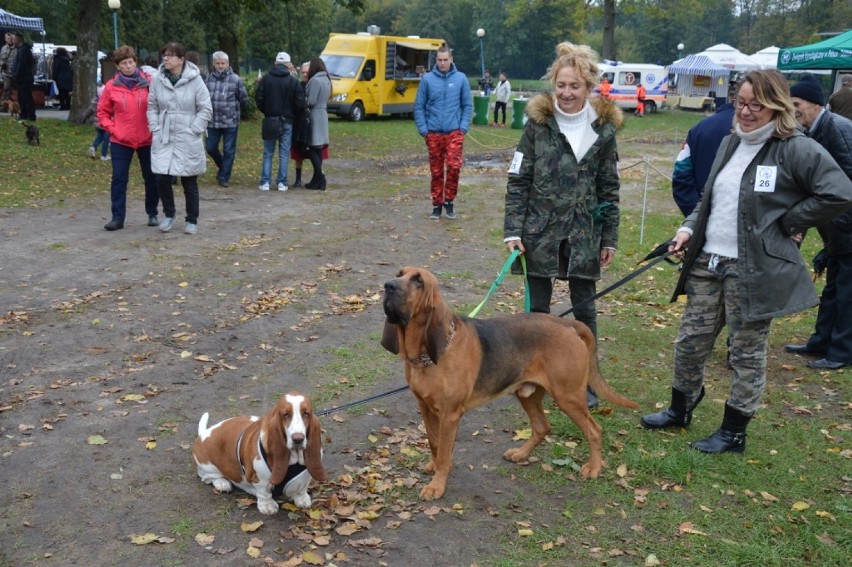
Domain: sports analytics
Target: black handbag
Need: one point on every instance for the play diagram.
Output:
(302, 129)
(272, 127)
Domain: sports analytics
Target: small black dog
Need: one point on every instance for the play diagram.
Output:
(32, 134)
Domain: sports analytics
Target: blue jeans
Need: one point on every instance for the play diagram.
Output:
(283, 156)
(121, 158)
(101, 136)
(225, 159)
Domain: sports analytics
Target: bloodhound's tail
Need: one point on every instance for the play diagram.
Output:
(596, 380)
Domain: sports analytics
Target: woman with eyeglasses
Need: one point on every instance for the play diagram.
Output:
(179, 108)
(768, 183)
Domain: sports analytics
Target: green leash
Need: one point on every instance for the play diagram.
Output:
(501, 276)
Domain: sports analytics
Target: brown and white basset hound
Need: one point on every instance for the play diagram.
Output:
(454, 364)
(264, 456)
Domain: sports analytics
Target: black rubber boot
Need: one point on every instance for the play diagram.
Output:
(730, 438)
(298, 182)
(677, 415)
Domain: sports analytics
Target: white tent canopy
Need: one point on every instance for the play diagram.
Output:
(767, 57)
(730, 57)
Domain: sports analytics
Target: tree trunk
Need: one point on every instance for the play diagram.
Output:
(86, 70)
(608, 47)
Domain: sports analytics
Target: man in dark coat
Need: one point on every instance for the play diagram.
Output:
(280, 98)
(23, 77)
(832, 337)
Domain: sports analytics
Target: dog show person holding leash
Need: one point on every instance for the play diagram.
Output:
(562, 195)
(121, 112)
(769, 182)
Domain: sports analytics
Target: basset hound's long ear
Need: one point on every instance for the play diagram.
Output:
(276, 449)
(390, 338)
(313, 451)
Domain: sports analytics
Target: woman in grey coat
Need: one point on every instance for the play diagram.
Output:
(178, 111)
(317, 93)
(768, 183)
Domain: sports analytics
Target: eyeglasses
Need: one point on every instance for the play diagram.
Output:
(168, 55)
(753, 106)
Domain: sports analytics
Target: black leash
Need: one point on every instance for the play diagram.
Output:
(359, 402)
(658, 256)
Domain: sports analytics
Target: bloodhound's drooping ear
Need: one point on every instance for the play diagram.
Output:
(390, 338)
(276, 448)
(313, 452)
(439, 317)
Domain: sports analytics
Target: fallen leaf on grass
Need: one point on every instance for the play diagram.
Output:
(686, 528)
(522, 434)
(652, 561)
(203, 539)
(769, 497)
(825, 515)
(800, 506)
(252, 551)
(97, 440)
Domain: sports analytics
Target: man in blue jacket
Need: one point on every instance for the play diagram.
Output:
(696, 157)
(442, 112)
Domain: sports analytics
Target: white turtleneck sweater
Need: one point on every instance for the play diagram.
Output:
(577, 128)
(721, 233)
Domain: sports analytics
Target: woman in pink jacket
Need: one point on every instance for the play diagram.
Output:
(122, 112)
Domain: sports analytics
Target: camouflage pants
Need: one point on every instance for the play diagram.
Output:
(446, 153)
(712, 293)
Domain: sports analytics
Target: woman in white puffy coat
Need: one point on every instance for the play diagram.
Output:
(178, 111)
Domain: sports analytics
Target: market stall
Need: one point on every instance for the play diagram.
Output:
(13, 22)
(698, 81)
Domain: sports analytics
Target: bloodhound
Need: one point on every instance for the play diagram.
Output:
(454, 364)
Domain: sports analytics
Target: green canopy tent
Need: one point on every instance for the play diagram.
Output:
(832, 53)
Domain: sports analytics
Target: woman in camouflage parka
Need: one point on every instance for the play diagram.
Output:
(562, 194)
(561, 211)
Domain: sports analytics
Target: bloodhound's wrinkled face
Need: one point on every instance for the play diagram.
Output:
(409, 293)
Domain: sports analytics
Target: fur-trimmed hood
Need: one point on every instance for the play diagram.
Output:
(541, 110)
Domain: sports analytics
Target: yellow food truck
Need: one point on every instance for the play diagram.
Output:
(375, 74)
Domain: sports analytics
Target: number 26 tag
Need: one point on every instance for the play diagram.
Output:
(764, 182)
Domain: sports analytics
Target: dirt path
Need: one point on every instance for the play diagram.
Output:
(113, 344)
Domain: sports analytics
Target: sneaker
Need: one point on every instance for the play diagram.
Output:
(167, 223)
(436, 212)
(222, 183)
(190, 228)
(282, 187)
(105, 158)
(152, 220)
(451, 212)
(264, 187)
(92, 152)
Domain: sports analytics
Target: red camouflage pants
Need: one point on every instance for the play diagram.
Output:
(446, 153)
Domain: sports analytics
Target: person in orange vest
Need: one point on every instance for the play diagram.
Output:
(604, 88)
(640, 98)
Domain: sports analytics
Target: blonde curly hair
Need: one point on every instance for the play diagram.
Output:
(582, 58)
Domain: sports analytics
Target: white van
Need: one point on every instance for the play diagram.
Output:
(624, 77)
